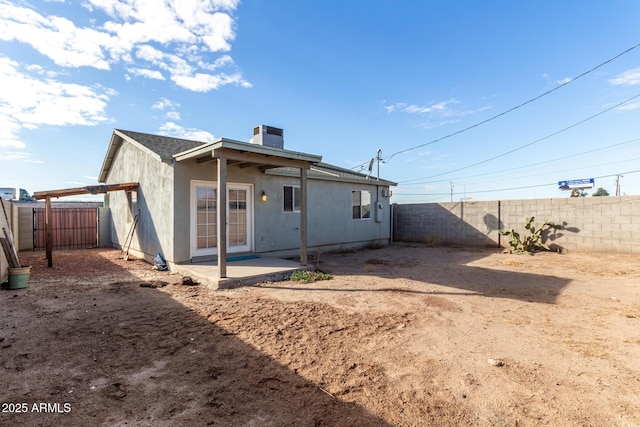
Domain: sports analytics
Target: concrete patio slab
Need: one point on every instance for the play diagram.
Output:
(241, 272)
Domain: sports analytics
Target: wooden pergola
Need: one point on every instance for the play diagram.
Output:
(90, 189)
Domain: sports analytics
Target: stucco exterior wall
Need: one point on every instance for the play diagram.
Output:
(590, 224)
(330, 222)
(104, 227)
(23, 216)
(154, 232)
(6, 222)
(190, 170)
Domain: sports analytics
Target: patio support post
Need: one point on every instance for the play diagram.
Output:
(49, 230)
(221, 220)
(303, 216)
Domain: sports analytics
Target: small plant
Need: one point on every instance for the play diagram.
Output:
(533, 242)
(307, 276)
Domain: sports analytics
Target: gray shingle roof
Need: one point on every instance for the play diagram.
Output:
(164, 146)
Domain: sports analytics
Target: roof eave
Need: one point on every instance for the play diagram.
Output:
(114, 145)
(117, 139)
(231, 144)
(374, 181)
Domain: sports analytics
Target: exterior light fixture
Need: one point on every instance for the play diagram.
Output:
(263, 196)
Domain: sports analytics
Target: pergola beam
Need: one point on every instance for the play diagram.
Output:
(89, 189)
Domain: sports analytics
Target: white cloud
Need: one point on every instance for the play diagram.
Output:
(185, 42)
(27, 102)
(435, 113)
(220, 62)
(9, 129)
(629, 107)
(177, 131)
(13, 155)
(38, 69)
(143, 72)
(565, 80)
(438, 107)
(55, 37)
(184, 74)
(200, 82)
(178, 37)
(628, 78)
(434, 108)
(164, 103)
(18, 156)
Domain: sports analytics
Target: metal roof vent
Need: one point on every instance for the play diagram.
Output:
(268, 136)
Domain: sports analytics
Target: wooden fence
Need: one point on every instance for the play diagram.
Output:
(73, 228)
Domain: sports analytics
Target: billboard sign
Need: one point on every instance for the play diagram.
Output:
(576, 183)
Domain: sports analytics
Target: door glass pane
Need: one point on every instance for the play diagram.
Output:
(237, 217)
(206, 217)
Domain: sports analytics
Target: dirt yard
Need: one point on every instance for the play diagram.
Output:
(402, 336)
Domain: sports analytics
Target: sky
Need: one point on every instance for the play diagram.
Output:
(466, 100)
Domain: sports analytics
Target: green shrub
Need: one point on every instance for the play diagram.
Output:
(533, 242)
(307, 276)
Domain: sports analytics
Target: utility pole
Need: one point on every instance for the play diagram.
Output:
(451, 183)
(378, 159)
(618, 184)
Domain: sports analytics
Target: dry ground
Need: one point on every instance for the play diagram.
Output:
(401, 336)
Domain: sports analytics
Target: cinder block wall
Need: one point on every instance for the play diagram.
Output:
(590, 224)
(24, 231)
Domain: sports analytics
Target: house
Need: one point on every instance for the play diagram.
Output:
(276, 201)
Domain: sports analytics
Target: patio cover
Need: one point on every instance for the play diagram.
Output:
(229, 152)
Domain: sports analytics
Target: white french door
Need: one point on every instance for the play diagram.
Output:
(204, 216)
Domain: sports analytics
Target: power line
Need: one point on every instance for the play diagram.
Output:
(480, 191)
(531, 143)
(572, 156)
(512, 188)
(510, 109)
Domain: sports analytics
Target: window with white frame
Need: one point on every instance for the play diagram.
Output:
(291, 198)
(361, 204)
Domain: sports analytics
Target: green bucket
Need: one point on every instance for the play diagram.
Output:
(19, 277)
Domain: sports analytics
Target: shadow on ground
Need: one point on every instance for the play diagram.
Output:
(446, 267)
(125, 354)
